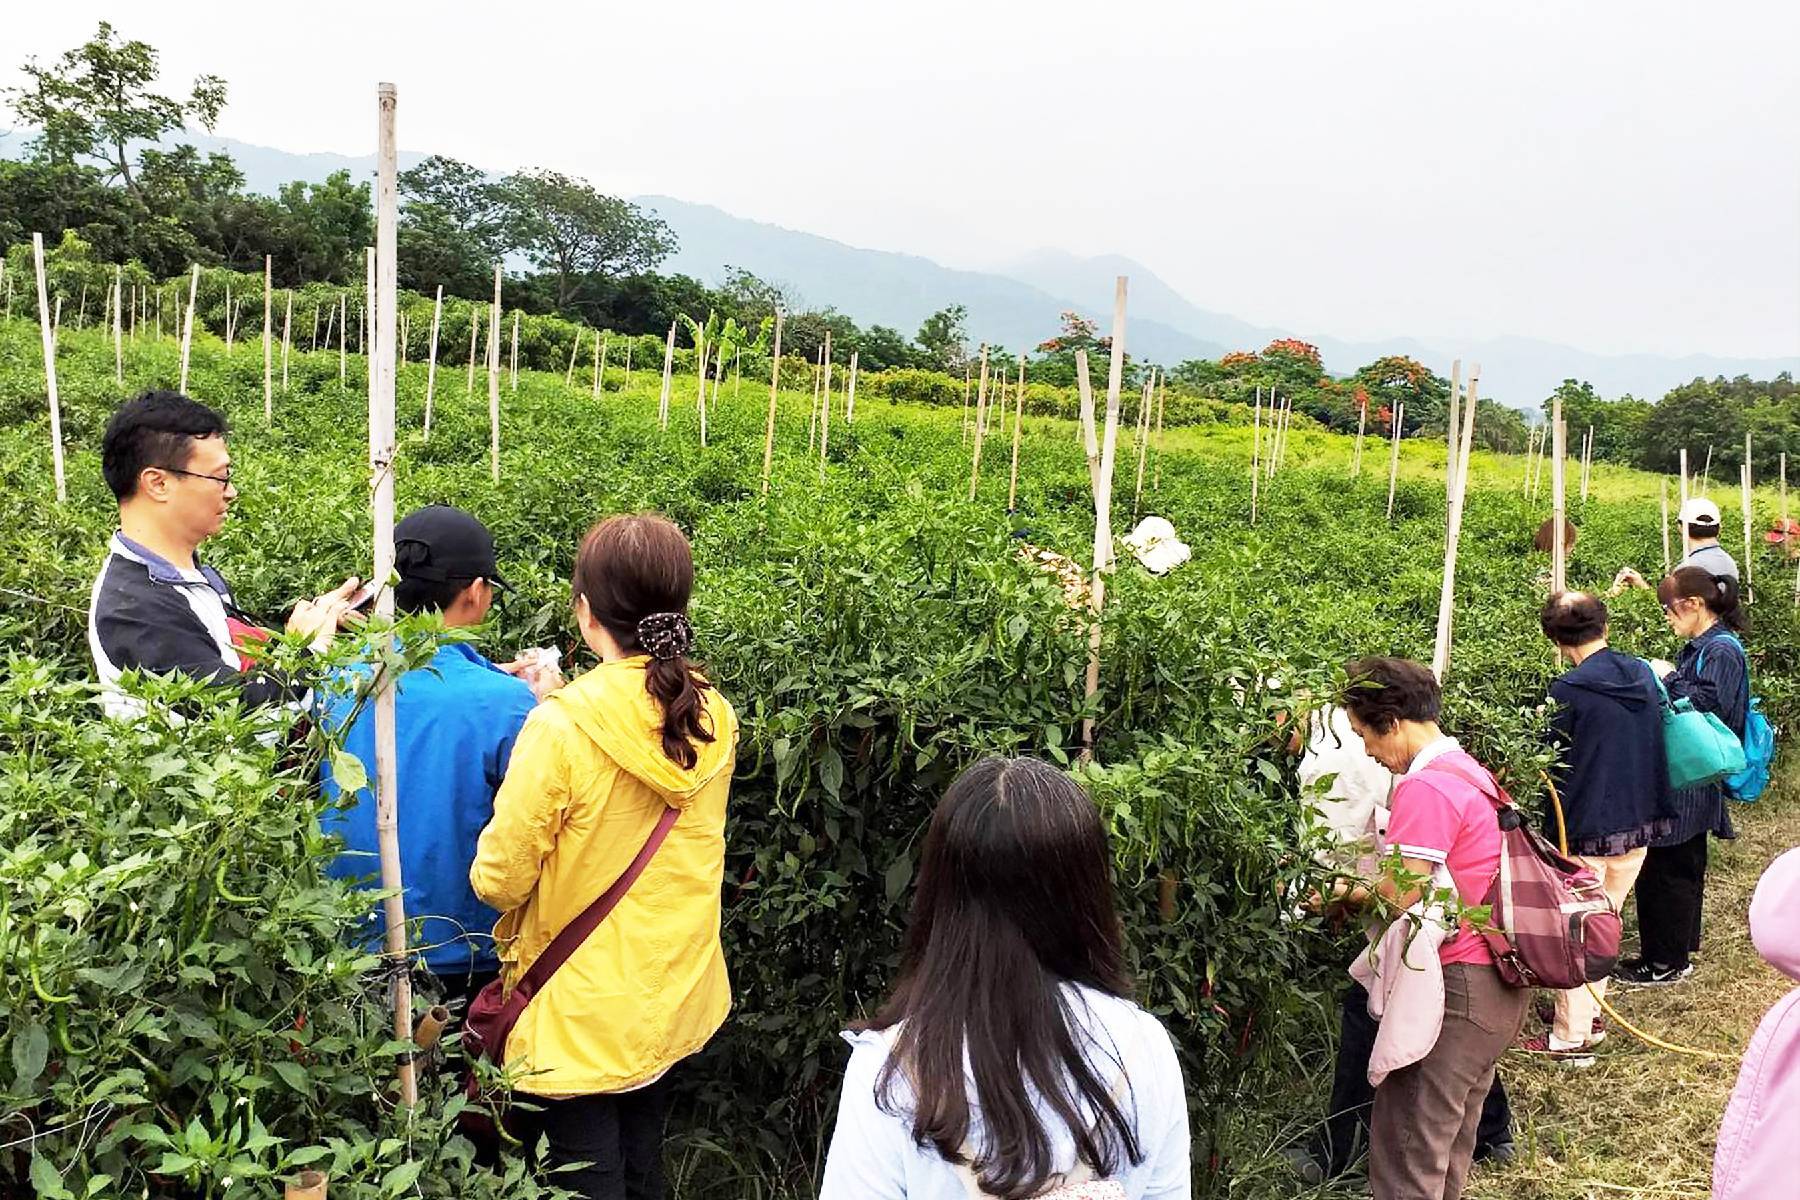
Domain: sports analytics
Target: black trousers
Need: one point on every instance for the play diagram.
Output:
(1346, 1132)
(1670, 893)
(618, 1136)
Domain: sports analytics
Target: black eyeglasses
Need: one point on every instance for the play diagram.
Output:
(224, 481)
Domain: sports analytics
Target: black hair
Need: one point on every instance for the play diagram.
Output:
(1573, 618)
(1380, 692)
(1704, 531)
(1015, 899)
(156, 429)
(414, 595)
(1718, 592)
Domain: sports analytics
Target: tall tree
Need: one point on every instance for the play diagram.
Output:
(567, 227)
(96, 100)
(944, 338)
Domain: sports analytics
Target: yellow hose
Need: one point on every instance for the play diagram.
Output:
(1562, 841)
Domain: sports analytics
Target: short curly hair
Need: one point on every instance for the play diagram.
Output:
(1381, 692)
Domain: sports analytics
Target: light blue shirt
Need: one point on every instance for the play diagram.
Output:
(873, 1155)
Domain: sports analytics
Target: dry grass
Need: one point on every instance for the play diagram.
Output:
(1642, 1121)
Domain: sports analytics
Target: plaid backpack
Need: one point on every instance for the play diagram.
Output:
(1553, 926)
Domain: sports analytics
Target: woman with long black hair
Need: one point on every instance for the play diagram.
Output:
(1010, 1062)
(1713, 673)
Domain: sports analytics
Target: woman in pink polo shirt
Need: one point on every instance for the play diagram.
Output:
(1423, 1133)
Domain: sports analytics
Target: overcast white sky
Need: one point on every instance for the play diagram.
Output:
(1618, 176)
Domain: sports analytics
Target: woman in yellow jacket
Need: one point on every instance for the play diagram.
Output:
(595, 767)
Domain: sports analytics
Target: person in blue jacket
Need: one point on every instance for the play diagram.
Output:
(455, 724)
(1713, 673)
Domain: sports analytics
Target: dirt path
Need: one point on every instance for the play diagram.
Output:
(1642, 1121)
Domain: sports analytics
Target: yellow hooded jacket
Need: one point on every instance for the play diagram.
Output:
(587, 782)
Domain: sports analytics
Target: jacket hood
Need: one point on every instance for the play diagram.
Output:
(610, 705)
(1614, 676)
(1772, 924)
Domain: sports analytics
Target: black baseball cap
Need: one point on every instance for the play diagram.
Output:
(455, 546)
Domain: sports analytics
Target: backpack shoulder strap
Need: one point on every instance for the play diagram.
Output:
(1480, 779)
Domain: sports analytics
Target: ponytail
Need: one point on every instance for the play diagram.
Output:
(636, 574)
(1718, 592)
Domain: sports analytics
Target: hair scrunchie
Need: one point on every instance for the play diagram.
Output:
(666, 635)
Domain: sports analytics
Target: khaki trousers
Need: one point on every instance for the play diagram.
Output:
(1577, 1007)
(1423, 1134)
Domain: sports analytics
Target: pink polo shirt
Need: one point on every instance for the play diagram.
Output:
(1442, 818)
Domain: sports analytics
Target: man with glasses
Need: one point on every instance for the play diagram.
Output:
(155, 607)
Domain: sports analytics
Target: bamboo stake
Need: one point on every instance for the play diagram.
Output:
(825, 410)
(187, 328)
(569, 378)
(1162, 400)
(474, 329)
(668, 377)
(850, 400)
(774, 386)
(315, 331)
(405, 338)
(1012, 487)
(493, 349)
(1394, 455)
(737, 371)
(1745, 485)
(1684, 493)
(330, 320)
(1137, 496)
(437, 317)
(1559, 498)
(49, 338)
(56, 318)
(118, 315)
(1362, 424)
(1663, 525)
(381, 469)
(1256, 467)
(599, 365)
(1440, 657)
(268, 332)
(514, 364)
(1268, 458)
(1784, 504)
(287, 332)
(965, 404)
(980, 411)
(228, 322)
(1103, 516)
(1451, 428)
(718, 372)
(81, 309)
(1090, 439)
(700, 385)
(1706, 472)
(343, 337)
(812, 414)
(629, 342)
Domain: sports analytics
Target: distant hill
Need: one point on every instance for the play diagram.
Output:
(1019, 305)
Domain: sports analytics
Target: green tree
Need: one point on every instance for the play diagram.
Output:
(1396, 379)
(569, 229)
(884, 349)
(96, 100)
(324, 227)
(944, 339)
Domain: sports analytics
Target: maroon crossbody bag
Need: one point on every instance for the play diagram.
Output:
(495, 1011)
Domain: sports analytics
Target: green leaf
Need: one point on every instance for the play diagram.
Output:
(30, 1052)
(402, 1177)
(310, 1154)
(174, 1164)
(831, 771)
(347, 771)
(294, 1075)
(896, 877)
(46, 1180)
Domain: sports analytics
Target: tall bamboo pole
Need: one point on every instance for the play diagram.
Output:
(514, 364)
(474, 330)
(1394, 455)
(1012, 486)
(381, 470)
(599, 365)
(1744, 487)
(493, 365)
(850, 398)
(629, 343)
(668, 377)
(343, 337)
(1706, 472)
(437, 317)
(315, 331)
(1103, 516)
(268, 332)
(1137, 496)
(774, 387)
(49, 338)
(118, 315)
(1451, 428)
(965, 403)
(1362, 425)
(187, 328)
(230, 325)
(980, 416)
(1090, 440)
(287, 337)
(1162, 400)
(1559, 498)
(825, 410)
(1440, 657)
(368, 320)
(1784, 503)
(1256, 467)
(574, 350)
(700, 348)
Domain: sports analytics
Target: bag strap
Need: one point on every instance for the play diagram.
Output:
(1480, 779)
(570, 937)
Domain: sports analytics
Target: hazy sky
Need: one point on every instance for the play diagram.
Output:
(1619, 176)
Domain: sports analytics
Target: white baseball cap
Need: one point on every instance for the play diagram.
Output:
(1699, 511)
